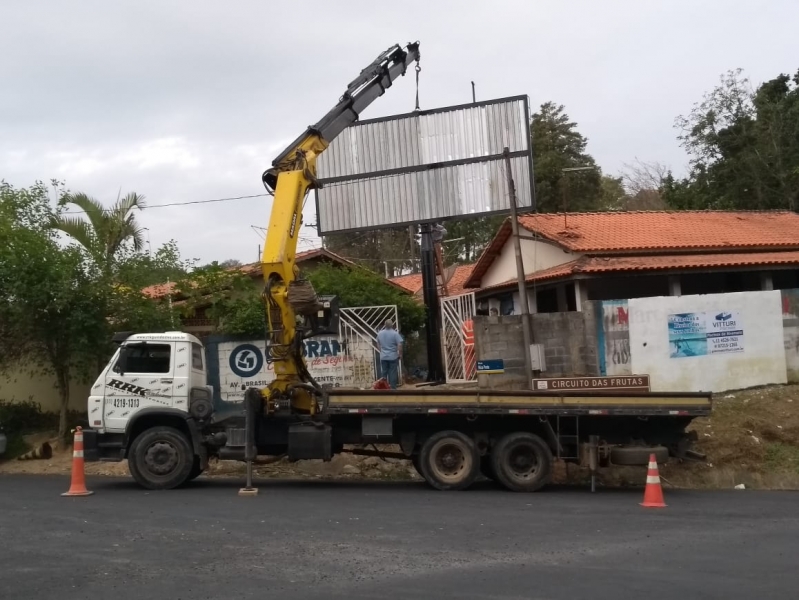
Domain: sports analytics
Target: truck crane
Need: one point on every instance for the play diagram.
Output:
(152, 404)
(291, 177)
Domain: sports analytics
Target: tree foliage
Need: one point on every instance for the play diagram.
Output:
(105, 231)
(57, 306)
(557, 145)
(743, 145)
(386, 251)
(139, 269)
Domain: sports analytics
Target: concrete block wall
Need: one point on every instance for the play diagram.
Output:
(569, 341)
(498, 337)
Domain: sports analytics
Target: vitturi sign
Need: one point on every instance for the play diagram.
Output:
(703, 333)
(243, 365)
(638, 383)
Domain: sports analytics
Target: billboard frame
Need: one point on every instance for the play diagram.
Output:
(523, 98)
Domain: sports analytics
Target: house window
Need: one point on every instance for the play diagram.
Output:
(506, 304)
(197, 357)
(147, 358)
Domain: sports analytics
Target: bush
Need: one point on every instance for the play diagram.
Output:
(21, 418)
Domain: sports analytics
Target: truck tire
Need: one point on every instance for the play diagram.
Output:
(449, 460)
(161, 458)
(628, 456)
(196, 469)
(522, 462)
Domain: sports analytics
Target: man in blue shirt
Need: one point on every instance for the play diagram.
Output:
(389, 343)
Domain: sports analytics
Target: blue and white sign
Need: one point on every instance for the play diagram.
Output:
(243, 365)
(491, 366)
(246, 360)
(703, 333)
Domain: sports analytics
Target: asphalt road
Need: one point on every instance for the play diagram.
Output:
(377, 540)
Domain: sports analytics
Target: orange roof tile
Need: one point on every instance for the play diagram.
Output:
(588, 265)
(455, 285)
(252, 269)
(659, 230)
(411, 282)
(614, 233)
(459, 274)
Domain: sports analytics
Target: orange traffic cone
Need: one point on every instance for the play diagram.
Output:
(78, 485)
(653, 494)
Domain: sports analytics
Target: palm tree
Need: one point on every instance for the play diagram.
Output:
(107, 229)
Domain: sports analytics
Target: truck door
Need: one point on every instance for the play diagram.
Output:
(147, 381)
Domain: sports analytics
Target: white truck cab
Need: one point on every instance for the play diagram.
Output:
(150, 406)
(148, 371)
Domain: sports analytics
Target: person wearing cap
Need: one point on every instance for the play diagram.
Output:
(389, 344)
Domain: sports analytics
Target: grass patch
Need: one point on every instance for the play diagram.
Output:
(781, 458)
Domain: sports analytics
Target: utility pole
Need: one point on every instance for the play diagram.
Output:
(527, 329)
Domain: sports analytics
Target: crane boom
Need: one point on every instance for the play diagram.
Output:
(291, 304)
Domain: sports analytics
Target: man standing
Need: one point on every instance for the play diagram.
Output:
(389, 343)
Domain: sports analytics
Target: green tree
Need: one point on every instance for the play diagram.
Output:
(107, 230)
(388, 251)
(139, 270)
(743, 146)
(467, 238)
(359, 287)
(557, 145)
(57, 308)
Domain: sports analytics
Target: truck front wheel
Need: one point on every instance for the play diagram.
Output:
(522, 462)
(449, 460)
(161, 458)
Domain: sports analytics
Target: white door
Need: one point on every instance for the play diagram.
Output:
(147, 381)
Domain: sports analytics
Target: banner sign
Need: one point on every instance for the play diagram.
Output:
(703, 333)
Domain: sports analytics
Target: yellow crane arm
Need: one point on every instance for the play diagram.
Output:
(292, 175)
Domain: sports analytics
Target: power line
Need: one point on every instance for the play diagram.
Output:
(83, 212)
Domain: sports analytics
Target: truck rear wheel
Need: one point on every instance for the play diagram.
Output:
(522, 462)
(449, 460)
(161, 458)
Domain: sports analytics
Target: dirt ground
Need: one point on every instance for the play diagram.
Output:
(752, 438)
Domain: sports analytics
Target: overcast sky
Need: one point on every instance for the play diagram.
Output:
(191, 100)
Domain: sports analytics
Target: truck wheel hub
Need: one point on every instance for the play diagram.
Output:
(522, 462)
(450, 460)
(161, 458)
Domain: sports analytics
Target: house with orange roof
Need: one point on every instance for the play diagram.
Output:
(573, 258)
(455, 277)
(200, 324)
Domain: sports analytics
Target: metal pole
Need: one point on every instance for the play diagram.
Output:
(435, 371)
(517, 246)
(474, 98)
(412, 240)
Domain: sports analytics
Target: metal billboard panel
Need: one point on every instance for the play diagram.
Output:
(425, 166)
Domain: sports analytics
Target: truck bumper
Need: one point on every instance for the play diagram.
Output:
(102, 446)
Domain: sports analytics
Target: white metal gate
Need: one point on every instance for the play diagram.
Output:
(358, 329)
(458, 338)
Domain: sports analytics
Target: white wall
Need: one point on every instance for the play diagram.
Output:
(536, 255)
(19, 386)
(757, 357)
(326, 359)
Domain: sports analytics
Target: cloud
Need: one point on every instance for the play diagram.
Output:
(184, 101)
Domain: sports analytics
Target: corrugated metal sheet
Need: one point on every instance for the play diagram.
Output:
(422, 196)
(417, 168)
(436, 137)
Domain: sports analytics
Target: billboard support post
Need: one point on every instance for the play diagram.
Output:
(435, 371)
(517, 246)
